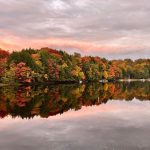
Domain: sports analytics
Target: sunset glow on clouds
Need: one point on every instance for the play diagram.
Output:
(107, 28)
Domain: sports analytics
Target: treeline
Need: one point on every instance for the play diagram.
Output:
(44, 65)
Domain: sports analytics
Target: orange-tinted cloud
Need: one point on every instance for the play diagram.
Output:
(11, 42)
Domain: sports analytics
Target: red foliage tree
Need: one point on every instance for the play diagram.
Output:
(3, 54)
(23, 73)
(3, 59)
(52, 52)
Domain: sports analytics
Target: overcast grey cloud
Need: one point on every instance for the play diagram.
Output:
(114, 28)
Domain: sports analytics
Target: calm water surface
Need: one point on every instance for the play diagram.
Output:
(76, 117)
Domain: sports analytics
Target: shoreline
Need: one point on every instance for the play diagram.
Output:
(77, 82)
(132, 80)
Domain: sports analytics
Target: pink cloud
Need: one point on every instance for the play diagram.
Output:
(11, 42)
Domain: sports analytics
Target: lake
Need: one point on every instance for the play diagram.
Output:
(94, 116)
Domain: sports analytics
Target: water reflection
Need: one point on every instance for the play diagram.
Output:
(45, 101)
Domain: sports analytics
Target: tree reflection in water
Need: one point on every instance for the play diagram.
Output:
(45, 101)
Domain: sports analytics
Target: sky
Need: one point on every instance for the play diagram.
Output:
(114, 29)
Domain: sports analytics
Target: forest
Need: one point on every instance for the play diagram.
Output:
(44, 65)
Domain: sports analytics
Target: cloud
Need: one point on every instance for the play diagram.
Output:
(90, 26)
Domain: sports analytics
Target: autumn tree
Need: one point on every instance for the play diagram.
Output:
(23, 73)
